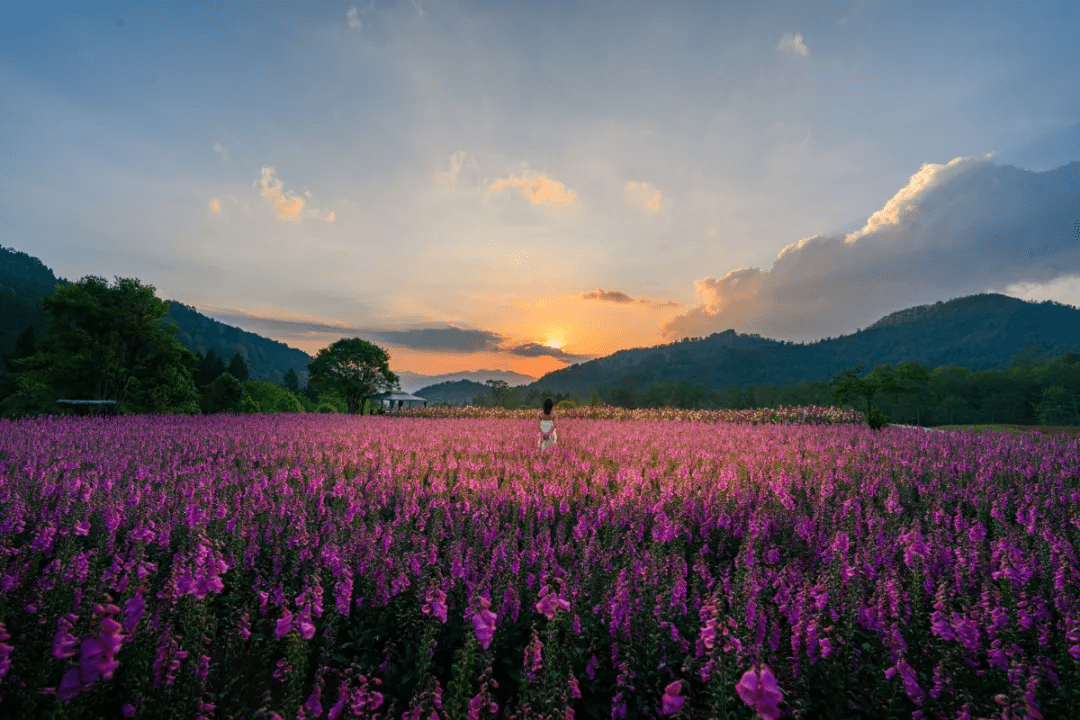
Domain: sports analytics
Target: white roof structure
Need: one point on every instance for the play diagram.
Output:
(398, 399)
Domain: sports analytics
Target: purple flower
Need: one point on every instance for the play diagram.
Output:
(550, 603)
(304, 624)
(672, 702)
(70, 685)
(435, 604)
(484, 623)
(759, 690)
(533, 658)
(133, 611)
(313, 705)
(284, 625)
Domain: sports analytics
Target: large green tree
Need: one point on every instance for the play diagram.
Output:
(106, 342)
(355, 368)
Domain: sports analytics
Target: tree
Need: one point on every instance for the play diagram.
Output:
(209, 368)
(238, 368)
(106, 342)
(498, 388)
(848, 386)
(356, 368)
(225, 394)
(292, 381)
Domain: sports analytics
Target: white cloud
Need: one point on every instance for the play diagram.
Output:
(458, 162)
(538, 188)
(793, 44)
(220, 150)
(287, 204)
(956, 229)
(353, 18)
(643, 195)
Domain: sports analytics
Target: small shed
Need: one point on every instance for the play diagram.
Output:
(396, 400)
(84, 407)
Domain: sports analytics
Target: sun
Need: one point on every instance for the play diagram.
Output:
(554, 344)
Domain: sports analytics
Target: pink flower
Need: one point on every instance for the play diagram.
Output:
(70, 686)
(435, 604)
(672, 702)
(313, 705)
(304, 624)
(550, 603)
(759, 690)
(484, 623)
(284, 625)
(533, 656)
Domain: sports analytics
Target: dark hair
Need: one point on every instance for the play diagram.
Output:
(548, 404)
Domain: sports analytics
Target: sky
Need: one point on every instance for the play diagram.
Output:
(479, 184)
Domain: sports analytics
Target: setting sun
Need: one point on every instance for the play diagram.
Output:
(554, 344)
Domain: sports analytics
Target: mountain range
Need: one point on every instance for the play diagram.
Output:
(411, 382)
(980, 332)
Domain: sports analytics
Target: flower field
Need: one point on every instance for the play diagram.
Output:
(425, 567)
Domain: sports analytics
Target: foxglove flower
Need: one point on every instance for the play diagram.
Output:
(550, 603)
(759, 690)
(484, 623)
(672, 702)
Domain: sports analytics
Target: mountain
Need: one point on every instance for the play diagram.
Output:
(24, 280)
(979, 332)
(458, 392)
(411, 382)
(266, 359)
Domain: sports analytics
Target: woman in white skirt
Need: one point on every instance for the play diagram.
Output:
(548, 433)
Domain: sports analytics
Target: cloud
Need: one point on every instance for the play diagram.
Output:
(220, 150)
(458, 162)
(287, 204)
(615, 296)
(442, 339)
(958, 228)
(352, 17)
(619, 297)
(538, 350)
(214, 206)
(643, 195)
(793, 44)
(538, 188)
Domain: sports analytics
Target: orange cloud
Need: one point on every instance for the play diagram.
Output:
(643, 194)
(287, 204)
(539, 189)
(214, 205)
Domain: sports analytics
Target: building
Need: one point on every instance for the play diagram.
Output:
(396, 400)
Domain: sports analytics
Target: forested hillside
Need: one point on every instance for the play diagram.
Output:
(979, 332)
(24, 280)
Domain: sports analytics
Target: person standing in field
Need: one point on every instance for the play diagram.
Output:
(548, 433)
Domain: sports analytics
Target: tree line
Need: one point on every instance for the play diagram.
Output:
(105, 342)
(1032, 390)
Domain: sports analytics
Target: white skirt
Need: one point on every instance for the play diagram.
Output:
(547, 441)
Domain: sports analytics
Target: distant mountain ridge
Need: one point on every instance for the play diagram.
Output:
(980, 332)
(411, 382)
(457, 392)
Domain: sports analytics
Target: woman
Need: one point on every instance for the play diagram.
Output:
(548, 434)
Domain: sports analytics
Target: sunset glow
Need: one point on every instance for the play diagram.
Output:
(614, 180)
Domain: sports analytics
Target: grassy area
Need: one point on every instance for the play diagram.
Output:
(1019, 429)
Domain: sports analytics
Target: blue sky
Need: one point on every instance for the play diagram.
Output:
(518, 185)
